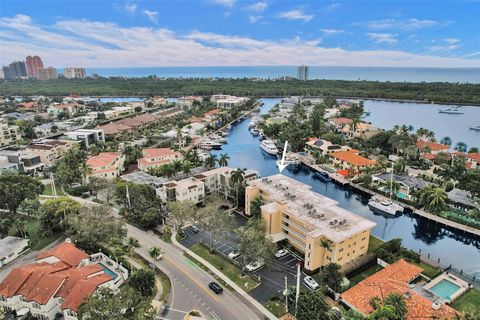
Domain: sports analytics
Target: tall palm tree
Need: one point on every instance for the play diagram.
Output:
(176, 165)
(397, 301)
(210, 161)
(186, 167)
(154, 253)
(326, 245)
(223, 161)
(461, 147)
(168, 170)
(421, 133)
(85, 171)
(437, 199)
(446, 141)
(237, 178)
(132, 243)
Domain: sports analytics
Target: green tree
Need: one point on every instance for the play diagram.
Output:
(311, 306)
(55, 213)
(332, 277)
(181, 212)
(210, 161)
(397, 301)
(237, 180)
(15, 188)
(461, 147)
(215, 222)
(154, 253)
(223, 160)
(470, 181)
(94, 228)
(132, 243)
(255, 210)
(252, 243)
(69, 169)
(143, 281)
(126, 305)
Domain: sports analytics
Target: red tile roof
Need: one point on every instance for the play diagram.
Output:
(394, 279)
(428, 156)
(473, 156)
(212, 112)
(421, 144)
(352, 158)
(159, 152)
(66, 252)
(339, 121)
(103, 159)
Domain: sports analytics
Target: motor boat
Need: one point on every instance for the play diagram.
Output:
(451, 110)
(254, 132)
(384, 207)
(322, 176)
(269, 147)
(209, 144)
(475, 127)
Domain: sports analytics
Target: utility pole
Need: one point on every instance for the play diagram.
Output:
(298, 288)
(54, 189)
(286, 294)
(128, 196)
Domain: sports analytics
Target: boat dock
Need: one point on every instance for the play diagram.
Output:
(337, 178)
(424, 214)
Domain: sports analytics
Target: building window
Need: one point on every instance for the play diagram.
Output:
(36, 306)
(340, 250)
(2, 298)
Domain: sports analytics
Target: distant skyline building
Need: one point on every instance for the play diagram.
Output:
(74, 73)
(17, 69)
(302, 72)
(49, 73)
(34, 64)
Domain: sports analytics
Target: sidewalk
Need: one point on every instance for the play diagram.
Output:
(219, 274)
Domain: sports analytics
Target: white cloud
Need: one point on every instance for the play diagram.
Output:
(100, 44)
(410, 24)
(295, 15)
(330, 32)
(451, 40)
(224, 3)
(254, 19)
(333, 6)
(382, 37)
(258, 7)
(129, 8)
(152, 15)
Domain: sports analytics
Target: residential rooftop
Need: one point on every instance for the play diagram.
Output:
(321, 214)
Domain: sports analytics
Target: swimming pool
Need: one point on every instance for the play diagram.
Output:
(445, 289)
(108, 271)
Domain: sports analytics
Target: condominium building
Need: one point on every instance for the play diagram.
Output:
(87, 136)
(9, 134)
(117, 112)
(302, 72)
(69, 109)
(33, 64)
(106, 164)
(50, 151)
(49, 73)
(21, 160)
(74, 73)
(18, 69)
(154, 157)
(59, 282)
(188, 101)
(313, 224)
(197, 187)
(227, 101)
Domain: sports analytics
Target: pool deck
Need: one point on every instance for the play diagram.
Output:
(463, 286)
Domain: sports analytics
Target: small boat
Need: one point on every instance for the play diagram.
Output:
(475, 127)
(384, 207)
(252, 123)
(322, 176)
(451, 110)
(210, 144)
(254, 132)
(366, 112)
(269, 147)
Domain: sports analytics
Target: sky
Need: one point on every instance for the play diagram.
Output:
(242, 33)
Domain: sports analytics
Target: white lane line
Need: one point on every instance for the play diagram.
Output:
(215, 315)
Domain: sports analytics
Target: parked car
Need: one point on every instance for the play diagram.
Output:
(215, 287)
(254, 266)
(281, 253)
(234, 254)
(194, 229)
(159, 257)
(310, 282)
(164, 310)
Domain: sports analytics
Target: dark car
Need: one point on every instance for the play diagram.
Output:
(215, 287)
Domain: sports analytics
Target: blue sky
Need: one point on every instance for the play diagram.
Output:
(235, 32)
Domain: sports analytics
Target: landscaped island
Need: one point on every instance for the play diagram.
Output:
(439, 92)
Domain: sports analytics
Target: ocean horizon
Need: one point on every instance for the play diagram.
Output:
(393, 74)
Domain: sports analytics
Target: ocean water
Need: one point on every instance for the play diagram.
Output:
(471, 75)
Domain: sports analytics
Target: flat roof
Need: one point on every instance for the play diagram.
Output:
(321, 215)
(141, 177)
(10, 244)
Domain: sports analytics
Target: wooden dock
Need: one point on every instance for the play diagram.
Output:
(424, 214)
(337, 178)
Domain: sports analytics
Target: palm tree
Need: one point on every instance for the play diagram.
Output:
(255, 210)
(461, 147)
(421, 133)
(326, 245)
(154, 253)
(176, 166)
(446, 141)
(397, 301)
(186, 167)
(237, 179)
(168, 170)
(430, 136)
(223, 161)
(210, 161)
(85, 171)
(132, 243)
(437, 199)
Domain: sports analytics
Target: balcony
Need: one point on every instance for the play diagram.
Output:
(294, 232)
(297, 226)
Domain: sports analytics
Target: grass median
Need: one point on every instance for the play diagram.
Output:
(230, 270)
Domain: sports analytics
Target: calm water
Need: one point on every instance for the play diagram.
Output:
(456, 248)
(471, 75)
(455, 126)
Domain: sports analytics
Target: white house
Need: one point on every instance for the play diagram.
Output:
(10, 248)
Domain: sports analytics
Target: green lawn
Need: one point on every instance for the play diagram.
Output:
(226, 267)
(48, 190)
(428, 270)
(364, 274)
(374, 243)
(37, 240)
(469, 301)
(276, 307)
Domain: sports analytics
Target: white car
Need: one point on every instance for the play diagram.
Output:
(233, 255)
(254, 266)
(281, 253)
(310, 282)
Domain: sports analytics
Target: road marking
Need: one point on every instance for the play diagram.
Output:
(214, 315)
(193, 279)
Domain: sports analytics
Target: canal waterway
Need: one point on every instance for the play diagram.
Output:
(450, 246)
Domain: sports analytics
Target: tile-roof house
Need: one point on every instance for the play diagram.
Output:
(395, 278)
(433, 147)
(154, 157)
(350, 158)
(106, 164)
(58, 282)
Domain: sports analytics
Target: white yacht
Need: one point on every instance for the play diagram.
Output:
(209, 144)
(385, 206)
(475, 127)
(254, 132)
(451, 110)
(269, 147)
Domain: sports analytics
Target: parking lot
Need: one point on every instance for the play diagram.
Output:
(272, 275)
